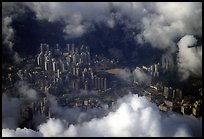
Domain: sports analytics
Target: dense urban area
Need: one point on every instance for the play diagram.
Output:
(79, 79)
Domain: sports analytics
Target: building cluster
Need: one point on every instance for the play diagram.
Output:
(154, 69)
(170, 93)
(176, 102)
(70, 71)
(70, 68)
(194, 108)
(85, 103)
(58, 60)
(30, 109)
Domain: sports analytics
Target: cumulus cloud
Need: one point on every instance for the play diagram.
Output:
(189, 58)
(134, 116)
(125, 74)
(141, 77)
(159, 24)
(8, 33)
(8, 37)
(170, 21)
(26, 91)
(74, 31)
(137, 75)
(77, 17)
(20, 133)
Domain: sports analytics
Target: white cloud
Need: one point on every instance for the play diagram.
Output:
(141, 77)
(77, 16)
(26, 91)
(134, 116)
(137, 75)
(74, 31)
(8, 33)
(189, 59)
(169, 21)
(20, 133)
(159, 23)
(126, 75)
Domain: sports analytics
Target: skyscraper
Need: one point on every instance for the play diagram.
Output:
(166, 92)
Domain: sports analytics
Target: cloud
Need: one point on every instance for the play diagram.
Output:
(133, 116)
(170, 21)
(10, 112)
(137, 75)
(141, 77)
(11, 105)
(125, 74)
(189, 58)
(8, 38)
(8, 33)
(26, 91)
(159, 23)
(77, 17)
(20, 133)
(74, 31)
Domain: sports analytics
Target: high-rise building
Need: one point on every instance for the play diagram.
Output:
(102, 83)
(68, 47)
(98, 83)
(74, 59)
(77, 84)
(152, 68)
(156, 67)
(46, 65)
(77, 71)
(95, 83)
(166, 92)
(174, 94)
(89, 57)
(58, 73)
(54, 66)
(72, 48)
(47, 47)
(76, 50)
(82, 57)
(38, 59)
(105, 84)
(74, 71)
(178, 93)
(63, 67)
(170, 92)
(86, 85)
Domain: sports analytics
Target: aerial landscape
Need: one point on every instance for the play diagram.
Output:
(101, 69)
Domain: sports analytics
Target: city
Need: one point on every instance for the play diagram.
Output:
(70, 72)
(101, 69)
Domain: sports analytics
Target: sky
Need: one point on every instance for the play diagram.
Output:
(173, 27)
